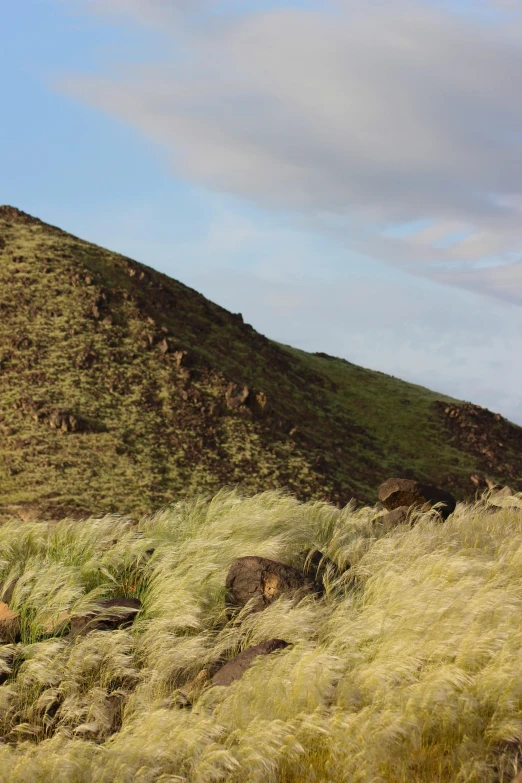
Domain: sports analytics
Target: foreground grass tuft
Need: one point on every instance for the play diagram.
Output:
(406, 669)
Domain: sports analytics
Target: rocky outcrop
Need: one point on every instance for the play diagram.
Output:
(396, 492)
(235, 668)
(109, 614)
(9, 625)
(264, 581)
(493, 441)
(246, 400)
(61, 420)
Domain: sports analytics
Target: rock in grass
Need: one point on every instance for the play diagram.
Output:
(397, 492)
(9, 625)
(264, 580)
(108, 614)
(235, 668)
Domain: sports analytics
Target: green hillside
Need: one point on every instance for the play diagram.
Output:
(122, 390)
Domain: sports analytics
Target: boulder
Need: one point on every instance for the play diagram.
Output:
(235, 668)
(264, 580)
(109, 614)
(396, 492)
(9, 625)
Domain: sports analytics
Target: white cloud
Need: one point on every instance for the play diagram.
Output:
(380, 113)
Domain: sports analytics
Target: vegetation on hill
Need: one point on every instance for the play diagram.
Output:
(406, 668)
(122, 390)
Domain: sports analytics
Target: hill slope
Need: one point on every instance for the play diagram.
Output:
(122, 389)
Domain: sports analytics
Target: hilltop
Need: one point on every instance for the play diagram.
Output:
(122, 390)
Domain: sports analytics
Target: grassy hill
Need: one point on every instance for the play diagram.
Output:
(406, 669)
(122, 390)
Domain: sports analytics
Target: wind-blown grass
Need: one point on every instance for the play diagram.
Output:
(406, 669)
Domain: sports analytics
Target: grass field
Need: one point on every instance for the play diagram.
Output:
(406, 670)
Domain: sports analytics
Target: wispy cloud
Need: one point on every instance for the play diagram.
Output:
(373, 114)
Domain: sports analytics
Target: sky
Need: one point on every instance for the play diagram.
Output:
(347, 174)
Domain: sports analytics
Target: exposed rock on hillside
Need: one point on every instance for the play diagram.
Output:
(398, 492)
(493, 441)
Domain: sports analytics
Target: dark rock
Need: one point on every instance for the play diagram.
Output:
(103, 619)
(264, 580)
(397, 492)
(9, 625)
(235, 668)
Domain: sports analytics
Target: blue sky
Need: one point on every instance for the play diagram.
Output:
(345, 174)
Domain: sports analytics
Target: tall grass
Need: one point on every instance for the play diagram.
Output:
(406, 669)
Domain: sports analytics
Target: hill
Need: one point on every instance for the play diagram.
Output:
(122, 390)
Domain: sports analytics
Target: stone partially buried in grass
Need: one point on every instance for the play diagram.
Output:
(107, 615)
(9, 625)
(235, 668)
(263, 580)
(397, 492)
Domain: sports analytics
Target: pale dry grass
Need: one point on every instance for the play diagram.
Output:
(407, 669)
